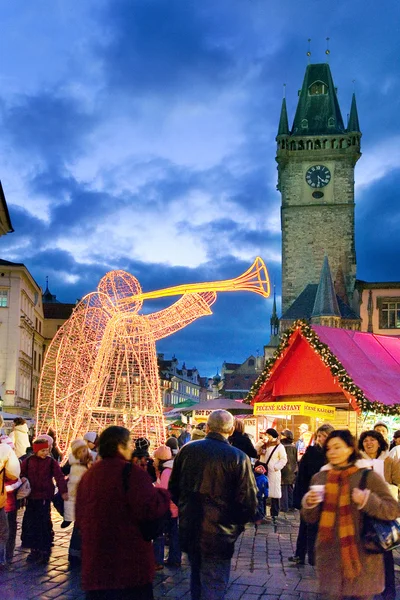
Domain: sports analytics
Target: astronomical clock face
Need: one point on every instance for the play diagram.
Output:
(318, 176)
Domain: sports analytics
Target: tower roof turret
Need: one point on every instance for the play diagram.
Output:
(318, 111)
(353, 124)
(283, 128)
(326, 303)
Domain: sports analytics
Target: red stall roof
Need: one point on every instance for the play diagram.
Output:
(372, 361)
(304, 366)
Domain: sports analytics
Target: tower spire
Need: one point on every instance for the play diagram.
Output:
(283, 128)
(326, 304)
(353, 124)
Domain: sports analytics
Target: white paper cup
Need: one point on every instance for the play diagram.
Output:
(320, 489)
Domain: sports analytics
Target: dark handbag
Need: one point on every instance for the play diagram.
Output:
(58, 503)
(149, 528)
(378, 536)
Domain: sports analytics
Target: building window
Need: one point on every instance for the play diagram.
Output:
(331, 122)
(3, 298)
(34, 359)
(389, 315)
(318, 88)
(304, 123)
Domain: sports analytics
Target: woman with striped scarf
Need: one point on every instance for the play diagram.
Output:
(344, 569)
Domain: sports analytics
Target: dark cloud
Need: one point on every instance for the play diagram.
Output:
(157, 47)
(48, 125)
(377, 226)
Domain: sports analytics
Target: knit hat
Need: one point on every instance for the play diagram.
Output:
(46, 436)
(40, 444)
(172, 443)
(76, 444)
(287, 434)
(142, 446)
(260, 469)
(90, 436)
(163, 453)
(272, 432)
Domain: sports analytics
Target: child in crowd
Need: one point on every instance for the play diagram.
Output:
(163, 463)
(262, 485)
(80, 460)
(39, 469)
(141, 457)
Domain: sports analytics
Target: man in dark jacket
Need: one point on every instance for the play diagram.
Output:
(112, 505)
(214, 487)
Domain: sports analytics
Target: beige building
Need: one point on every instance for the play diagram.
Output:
(21, 338)
(379, 306)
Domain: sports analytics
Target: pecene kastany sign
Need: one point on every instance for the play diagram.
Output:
(294, 408)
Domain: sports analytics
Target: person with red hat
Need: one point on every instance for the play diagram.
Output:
(40, 469)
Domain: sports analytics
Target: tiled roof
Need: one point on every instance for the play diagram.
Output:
(302, 307)
(59, 310)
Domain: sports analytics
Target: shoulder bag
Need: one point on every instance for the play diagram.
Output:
(377, 535)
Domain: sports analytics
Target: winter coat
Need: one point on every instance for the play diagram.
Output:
(76, 472)
(214, 488)
(244, 443)
(387, 467)
(9, 469)
(114, 553)
(312, 461)
(275, 465)
(40, 473)
(20, 437)
(163, 481)
(289, 471)
(371, 580)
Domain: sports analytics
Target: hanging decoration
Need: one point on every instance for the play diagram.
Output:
(354, 394)
(101, 367)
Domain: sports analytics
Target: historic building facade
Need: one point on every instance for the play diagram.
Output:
(316, 160)
(21, 338)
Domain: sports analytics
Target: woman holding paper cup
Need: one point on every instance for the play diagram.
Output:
(344, 568)
(374, 450)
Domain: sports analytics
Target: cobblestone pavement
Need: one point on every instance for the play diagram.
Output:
(260, 570)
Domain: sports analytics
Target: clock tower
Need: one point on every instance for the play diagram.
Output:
(316, 161)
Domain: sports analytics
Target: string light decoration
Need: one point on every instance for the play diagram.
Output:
(101, 367)
(353, 393)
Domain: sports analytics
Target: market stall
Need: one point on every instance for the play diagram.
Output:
(356, 374)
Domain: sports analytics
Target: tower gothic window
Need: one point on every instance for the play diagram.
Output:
(304, 123)
(318, 88)
(331, 122)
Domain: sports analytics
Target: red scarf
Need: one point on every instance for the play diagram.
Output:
(337, 504)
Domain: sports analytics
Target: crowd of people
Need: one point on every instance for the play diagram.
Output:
(134, 511)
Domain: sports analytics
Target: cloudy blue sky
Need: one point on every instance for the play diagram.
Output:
(139, 134)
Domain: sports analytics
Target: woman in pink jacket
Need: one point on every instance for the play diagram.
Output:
(163, 463)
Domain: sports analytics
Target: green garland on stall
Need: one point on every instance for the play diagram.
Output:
(337, 369)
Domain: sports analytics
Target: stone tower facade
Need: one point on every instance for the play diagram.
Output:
(316, 161)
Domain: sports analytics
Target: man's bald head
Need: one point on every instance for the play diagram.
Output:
(220, 421)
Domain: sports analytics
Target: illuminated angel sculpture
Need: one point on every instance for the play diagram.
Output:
(101, 367)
